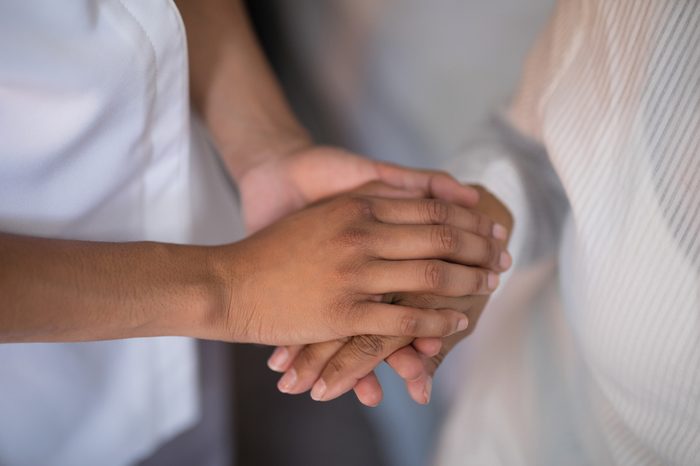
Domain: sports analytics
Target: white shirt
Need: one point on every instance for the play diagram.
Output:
(97, 144)
(604, 366)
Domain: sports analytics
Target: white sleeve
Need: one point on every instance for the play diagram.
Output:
(518, 171)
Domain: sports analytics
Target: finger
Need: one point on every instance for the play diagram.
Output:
(383, 190)
(436, 212)
(427, 276)
(427, 346)
(435, 184)
(400, 242)
(372, 318)
(463, 304)
(407, 363)
(282, 357)
(417, 371)
(420, 389)
(353, 362)
(307, 366)
(368, 390)
(471, 306)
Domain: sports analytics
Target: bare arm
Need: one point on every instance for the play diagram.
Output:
(249, 291)
(58, 290)
(234, 88)
(277, 167)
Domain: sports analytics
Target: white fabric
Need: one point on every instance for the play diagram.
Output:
(96, 144)
(603, 367)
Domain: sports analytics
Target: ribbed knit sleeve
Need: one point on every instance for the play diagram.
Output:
(612, 93)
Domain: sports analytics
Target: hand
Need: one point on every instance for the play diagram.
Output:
(319, 274)
(288, 181)
(264, 147)
(335, 367)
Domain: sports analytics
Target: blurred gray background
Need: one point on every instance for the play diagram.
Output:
(408, 81)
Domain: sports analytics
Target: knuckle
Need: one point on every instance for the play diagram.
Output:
(483, 225)
(436, 211)
(336, 366)
(447, 326)
(358, 207)
(477, 282)
(488, 251)
(494, 252)
(340, 315)
(367, 346)
(435, 275)
(446, 238)
(408, 325)
(353, 236)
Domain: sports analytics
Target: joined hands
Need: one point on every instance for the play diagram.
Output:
(330, 369)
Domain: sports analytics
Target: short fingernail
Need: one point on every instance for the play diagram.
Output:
(428, 389)
(499, 231)
(318, 390)
(278, 359)
(493, 281)
(505, 260)
(462, 324)
(288, 380)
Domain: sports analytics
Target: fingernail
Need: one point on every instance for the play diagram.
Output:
(462, 324)
(288, 380)
(499, 231)
(278, 359)
(505, 261)
(318, 390)
(493, 281)
(428, 389)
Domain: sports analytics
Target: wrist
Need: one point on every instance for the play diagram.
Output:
(196, 292)
(241, 157)
(219, 315)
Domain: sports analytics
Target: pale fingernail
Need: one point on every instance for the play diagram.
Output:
(428, 389)
(318, 390)
(505, 260)
(278, 359)
(288, 380)
(493, 281)
(462, 324)
(499, 231)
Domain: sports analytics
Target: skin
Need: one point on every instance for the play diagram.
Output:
(60, 290)
(330, 369)
(277, 166)
(339, 254)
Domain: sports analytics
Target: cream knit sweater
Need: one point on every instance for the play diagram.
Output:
(603, 365)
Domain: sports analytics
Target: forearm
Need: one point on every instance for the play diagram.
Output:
(58, 290)
(233, 86)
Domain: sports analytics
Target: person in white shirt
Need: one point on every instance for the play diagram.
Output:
(107, 183)
(590, 354)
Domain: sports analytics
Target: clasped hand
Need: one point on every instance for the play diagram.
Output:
(408, 254)
(459, 266)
